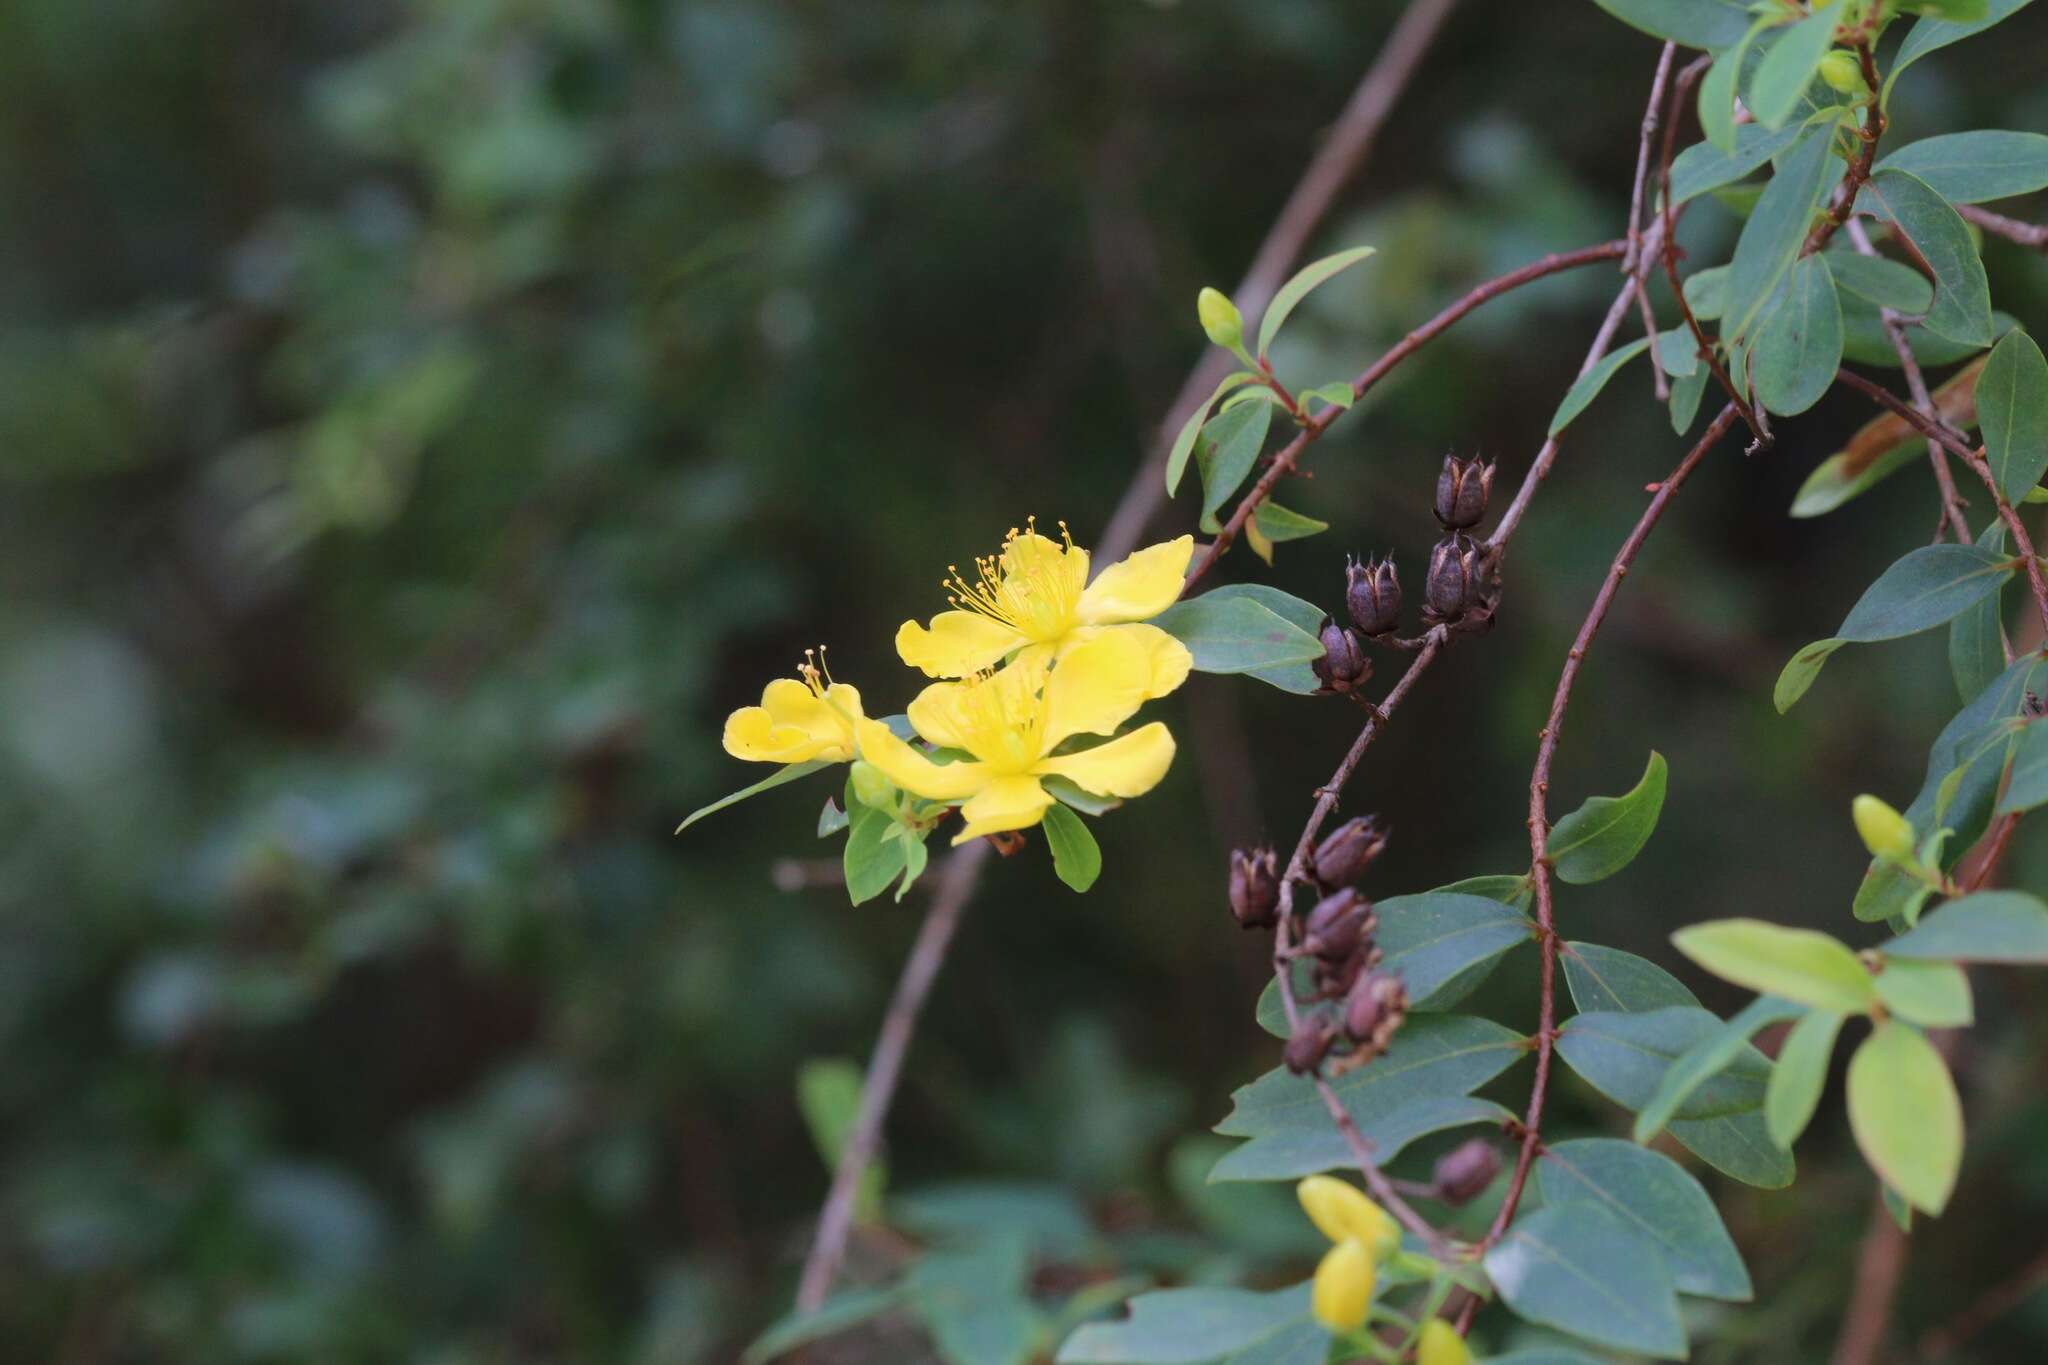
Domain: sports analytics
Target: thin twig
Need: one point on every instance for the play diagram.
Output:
(1879, 1264)
(878, 1087)
(1288, 458)
(2032, 235)
(1992, 1305)
(1335, 163)
(1632, 263)
(1539, 820)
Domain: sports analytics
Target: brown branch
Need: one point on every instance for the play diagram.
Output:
(1335, 163)
(878, 1086)
(1870, 130)
(1994, 1304)
(1879, 1265)
(1632, 262)
(1289, 456)
(1539, 820)
(1978, 464)
(2031, 235)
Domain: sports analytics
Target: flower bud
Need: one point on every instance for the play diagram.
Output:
(870, 787)
(1455, 575)
(1348, 850)
(1255, 887)
(1461, 492)
(1464, 1172)
(1338, 924)
(1885, 832)
(1343, 665)
(1344, 1213)
(1372, 595)
(1440, 1344)
(1374, 1009)
(1342, 1294)
(1220, 318)
(1305, 1049)
(1843, 72)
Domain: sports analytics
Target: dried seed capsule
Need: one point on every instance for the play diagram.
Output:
(1349, 849)
(1338, 925)
(1373, 1012)
(1255, 887)
(1343, 665)
(1461, 492)
(1372, 596)
(1455, 577)
(1310, 1041)
(1464, 1172)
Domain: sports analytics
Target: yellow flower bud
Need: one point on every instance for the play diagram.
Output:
(1843, 72)
(1885, 832)
(1220, 318)
(1440, 1344)
(1342, 1211)
(1342, 1294)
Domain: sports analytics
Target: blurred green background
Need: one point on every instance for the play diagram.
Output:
(421, 422)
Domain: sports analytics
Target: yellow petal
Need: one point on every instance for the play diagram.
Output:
(1342, 1294)
(1129, 766)
(1050, 562)
(1140, 587)
(752, 733)
(1440, 1344)
(956, 644)
(1341, 1210)
(1005, 803)
(913, 772)
(1097, 685)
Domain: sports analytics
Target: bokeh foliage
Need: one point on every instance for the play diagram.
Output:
(419, 422)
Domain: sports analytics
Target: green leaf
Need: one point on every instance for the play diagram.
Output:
(1990, 926)
(875, 856)
(1543, 1355)
(1800, 671)
(1655, 1197)
(1865, 341)
(1442, 944)
(1906, 1115)
(1226, 451)
(827, 1094)
(2028, 785)
(1307, 616)
(1067, 794)
(1709, 24)
(1930, 35)
(1703, 166)
(789, 773)
(1799, 1076)
(2012, 412)
(1187, 1326)
(1625, 1056)
(1298, 288)
(1962, 294)
(1604, 835)
(1707, 1058)
(1801, 965)
(1930, 994)
(1925, 589)
(1686, 393)
(974, 1299)
(1798, 344)
(1279, 524)
(1832, 483)
(1973, 167)
(1706, 291)
(1232, 633)
(1608, 979)
(1771, 239)
(1579, 1268)
(1184, 442)
(1678, 353)
(1075, 857)
(1435, 1057)
(1788, 68)
(834, 1316)
(1337, 395)
(1882, 281)
(1509, 888)
(1589, 384)
(1976, 644)
(1718, 90)
(831, 819)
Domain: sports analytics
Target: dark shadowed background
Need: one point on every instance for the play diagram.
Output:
(420, 423)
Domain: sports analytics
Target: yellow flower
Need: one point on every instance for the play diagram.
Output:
(1035, 597)
(799, 719)
(1010, 722)
(1342, 1293)
(1440, 1344)
(1342, 1211)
